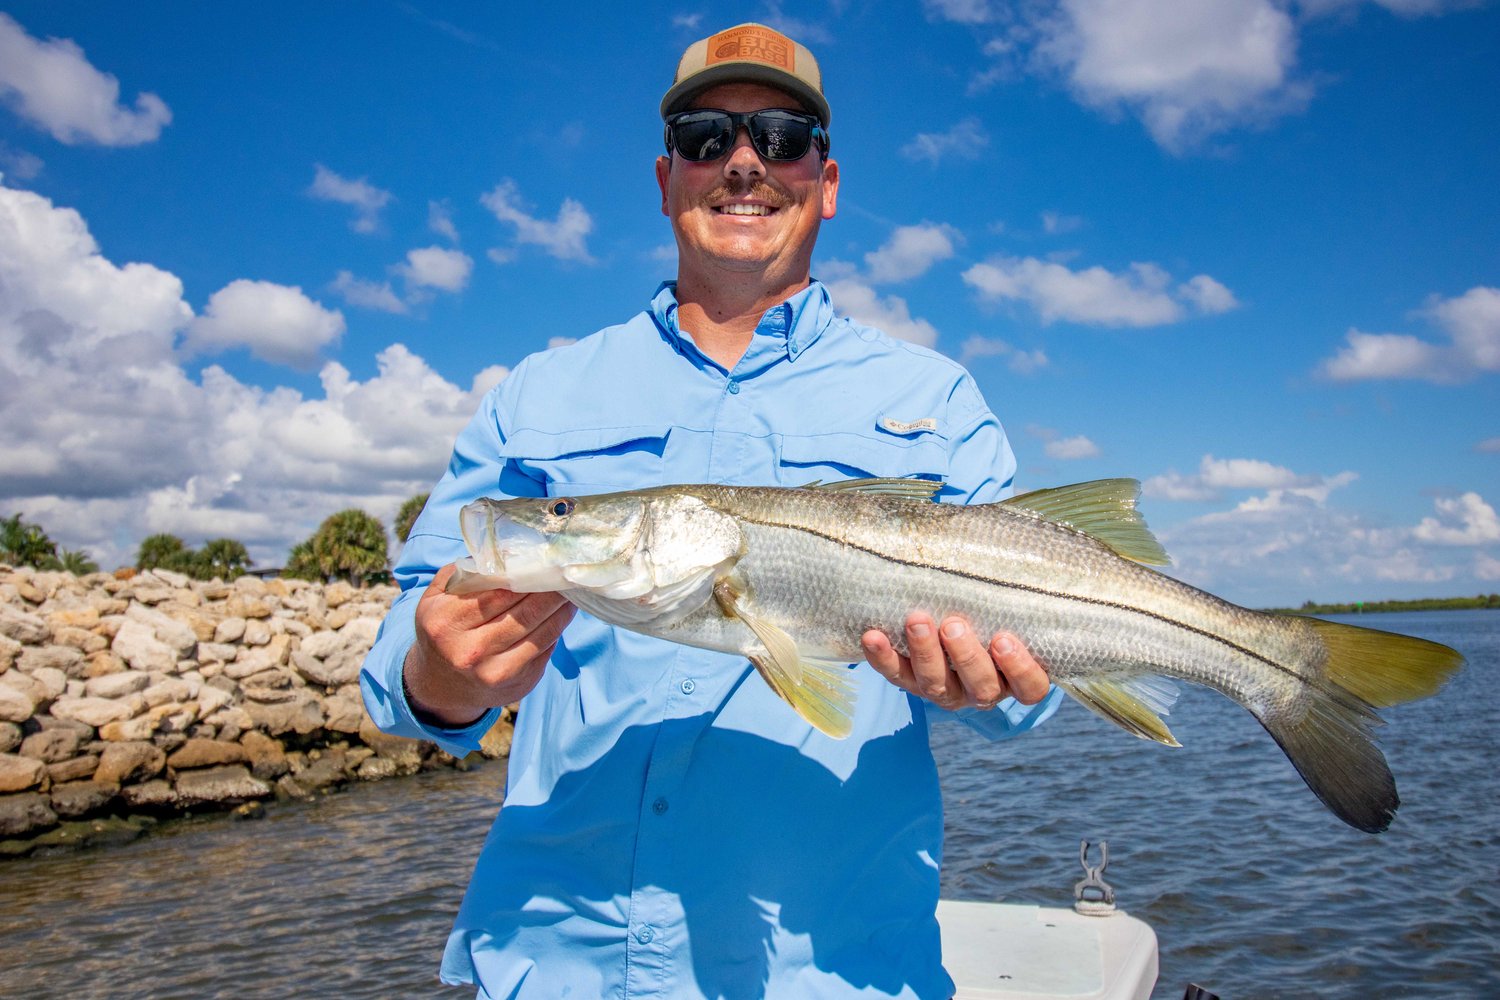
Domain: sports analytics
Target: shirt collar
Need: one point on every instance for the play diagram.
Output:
(786, 329)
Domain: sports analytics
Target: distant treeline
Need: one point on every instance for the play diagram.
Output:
(1420, 604)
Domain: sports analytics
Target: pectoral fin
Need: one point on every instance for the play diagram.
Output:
(822, 693)
(1130, 704)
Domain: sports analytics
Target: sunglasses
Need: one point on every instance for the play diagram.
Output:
(708, 134)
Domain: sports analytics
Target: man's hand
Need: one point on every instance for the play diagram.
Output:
(952, 669)
(476, 651)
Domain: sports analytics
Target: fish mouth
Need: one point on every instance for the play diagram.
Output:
(497, 542)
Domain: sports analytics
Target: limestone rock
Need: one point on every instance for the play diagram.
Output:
(154, 794)
(117, 685)
(23, 626)
(9, 650)
(85, 617)
(216, 652)
(75, 799)
(103, 662)
(267, 756)
(54, 682)
(345, 715)
(231, 783)
(206, 753)
(52, 745)
(16, 706)
(257, 632)
(125, 762)
(229, 630)
(74, 769)
(10, 736)
(302, 714)
(19, 773)
(83, 640)
(64, 658)
(171, 689)
(165, 628)
(97, 711)
(25, 814)
(137, 644)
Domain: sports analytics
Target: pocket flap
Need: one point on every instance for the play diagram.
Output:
(527, 443)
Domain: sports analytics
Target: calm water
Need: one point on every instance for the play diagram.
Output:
(1253, 889)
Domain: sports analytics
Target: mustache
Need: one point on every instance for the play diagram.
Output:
(759, 190)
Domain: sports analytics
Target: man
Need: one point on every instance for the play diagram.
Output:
(670, 828)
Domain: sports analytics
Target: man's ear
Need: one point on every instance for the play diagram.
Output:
(830, 188)
(663, 177)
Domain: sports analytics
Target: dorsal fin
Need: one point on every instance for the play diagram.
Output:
(1103, 509)
(910, 489)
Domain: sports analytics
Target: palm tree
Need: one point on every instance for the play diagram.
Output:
(77, 562)
(224, 558)
(301, 564)
(407, 515)
(351, 544)
(164, 551)
(24, 544)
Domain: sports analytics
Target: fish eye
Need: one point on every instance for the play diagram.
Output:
(561, 508)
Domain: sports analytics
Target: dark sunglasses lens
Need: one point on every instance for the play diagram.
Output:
(705, 136)
(780, 136)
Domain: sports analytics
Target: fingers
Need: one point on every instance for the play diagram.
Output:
(887, 662)
(935, 680)
(1025, 677)
(982, 684)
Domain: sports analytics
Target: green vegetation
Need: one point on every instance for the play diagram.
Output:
(1420, 604)
(407, 515)
(224, 558)
(25, 544)
(350, 544)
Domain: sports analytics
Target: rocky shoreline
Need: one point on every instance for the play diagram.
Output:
(125, 701)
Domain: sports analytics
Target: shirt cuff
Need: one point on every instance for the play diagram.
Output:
(385, 695)
(1007, 719)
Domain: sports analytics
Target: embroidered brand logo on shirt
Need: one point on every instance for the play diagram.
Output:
(907, 426)
(754, 43)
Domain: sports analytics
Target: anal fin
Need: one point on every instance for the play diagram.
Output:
(1130, 704)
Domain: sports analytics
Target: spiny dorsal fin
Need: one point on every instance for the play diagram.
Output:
(909, 489)
(1103, 509)
(1130, 703)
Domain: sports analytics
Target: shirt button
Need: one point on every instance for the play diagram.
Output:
(644, 935)
(734, 387)
(659, 806)
(688, 686)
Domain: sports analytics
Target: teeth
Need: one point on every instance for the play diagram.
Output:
(745, 210)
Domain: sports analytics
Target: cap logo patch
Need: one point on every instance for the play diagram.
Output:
(754, 43)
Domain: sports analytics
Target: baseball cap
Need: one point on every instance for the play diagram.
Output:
(751, 53)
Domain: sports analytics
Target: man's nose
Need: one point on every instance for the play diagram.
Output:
(743, 161)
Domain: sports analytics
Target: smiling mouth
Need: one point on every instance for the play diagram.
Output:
(742, 209)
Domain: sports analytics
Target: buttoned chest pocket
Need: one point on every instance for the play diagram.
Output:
(834, 456)
(584, 462)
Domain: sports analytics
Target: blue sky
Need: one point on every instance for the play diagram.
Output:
(258, 262)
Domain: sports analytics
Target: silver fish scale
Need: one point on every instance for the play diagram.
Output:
(825, 567)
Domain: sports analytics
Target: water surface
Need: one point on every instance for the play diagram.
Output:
(1254, 889)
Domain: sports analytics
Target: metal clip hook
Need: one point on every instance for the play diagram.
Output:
(1092, 895)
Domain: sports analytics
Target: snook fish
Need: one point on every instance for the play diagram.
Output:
(791, 578)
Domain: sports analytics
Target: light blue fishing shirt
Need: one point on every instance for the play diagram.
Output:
(671, 828)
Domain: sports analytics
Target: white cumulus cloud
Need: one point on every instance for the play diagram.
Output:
(367, 294)
(1140, 296)
(1471, 322)
(965, 140)
(1019, 360)
(365, 198)
(276, 322)
(108, 438)
(436, 267)
(1461, 520)
(52, 85)
(1216, 475)
(563, 237)
(911, 251)
(1055, 446)
(890, 314)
